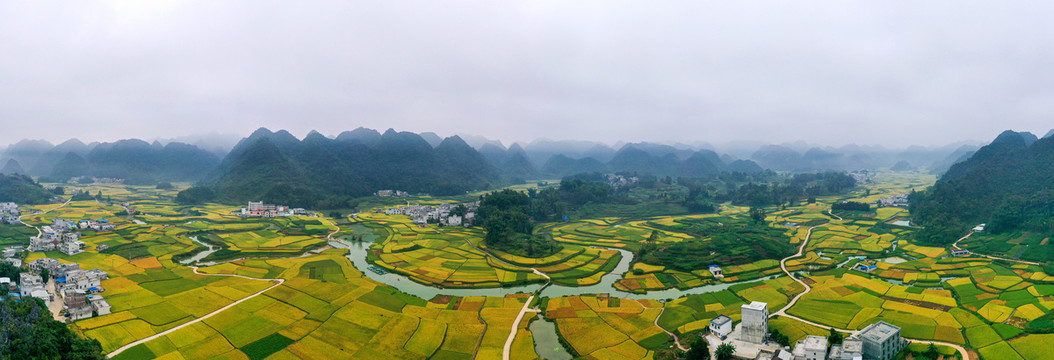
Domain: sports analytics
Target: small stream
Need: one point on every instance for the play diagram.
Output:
(200, 255)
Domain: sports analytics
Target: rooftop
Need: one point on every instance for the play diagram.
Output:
(720, 320)
(850, 345)
(756, 305)
(815, 343)
(880, 331)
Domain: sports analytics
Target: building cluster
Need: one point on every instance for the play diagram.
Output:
(62, 235)
(78, 289)
(441, 214)
(898, 200)
(617, 181)
(89, 179)
(259, 209)
(389, 193)
(879, 341)
(9, 213)
(861, 177)
(12, 255)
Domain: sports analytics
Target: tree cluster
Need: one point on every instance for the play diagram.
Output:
(851, 206)
(30, 332)
(22, 189)
(1006, 184)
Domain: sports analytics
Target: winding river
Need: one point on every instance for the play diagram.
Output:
(547, 344)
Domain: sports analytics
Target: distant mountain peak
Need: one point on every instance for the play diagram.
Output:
(12, 167)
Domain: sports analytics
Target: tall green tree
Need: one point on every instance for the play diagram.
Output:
(725, 351)
(700, 350)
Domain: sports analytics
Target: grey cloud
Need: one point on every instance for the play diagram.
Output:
(828, 72)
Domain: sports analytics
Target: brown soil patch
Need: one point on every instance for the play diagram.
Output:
(860, 237)
(626, 316)
(921, 304)
(442, 299)
(808, 281)
(1044, 242)
(564, 312)
(421, 272)
(841, 290)
(398, 263)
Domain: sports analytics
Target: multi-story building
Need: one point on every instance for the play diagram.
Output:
(755, 326)
(881, 341)
(812, 348)
(851, 349)
(721, 326)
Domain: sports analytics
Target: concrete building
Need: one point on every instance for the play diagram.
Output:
(851, 349)
(778, 354)
(716, 270)
(881, 341)
(812, 348)
(76, 304)
(755, 326)
(28, 282)
(721, 326)
(100, 305)
(40, 293)
(71, 247)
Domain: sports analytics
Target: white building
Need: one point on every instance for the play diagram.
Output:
(851, 349)
(100, 305)
(721, 326)
(40, 293)
(716, 270)
(812, 348)
(27, 282)
(71, 247)
(755, 326)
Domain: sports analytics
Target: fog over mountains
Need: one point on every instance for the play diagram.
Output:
(539, 158)
(320, 170)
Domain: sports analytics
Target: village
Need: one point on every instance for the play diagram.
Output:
(445, 214)
(879, 341)
(78, 289)
(259, 209)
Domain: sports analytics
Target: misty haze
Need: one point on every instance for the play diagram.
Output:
(526, 180)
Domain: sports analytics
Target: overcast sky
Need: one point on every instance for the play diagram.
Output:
(828, 72)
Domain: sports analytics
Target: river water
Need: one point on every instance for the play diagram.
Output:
(200, 255)
(547, 344)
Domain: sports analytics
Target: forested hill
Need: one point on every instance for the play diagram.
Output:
(137, 161)
(1008, 184)
(653, 160)
(22, 189)
(322, 172)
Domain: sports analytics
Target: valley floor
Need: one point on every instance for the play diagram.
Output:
(296, 292)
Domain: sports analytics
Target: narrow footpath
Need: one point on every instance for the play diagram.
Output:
(277, 282)
(783, 311)
(40, 232)
(956, 247)
(505, 352)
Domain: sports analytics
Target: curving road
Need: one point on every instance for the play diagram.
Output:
(519, 317)
(278, 282)
(40, 232)
(676, 340)
(783, 311)
(955, 245)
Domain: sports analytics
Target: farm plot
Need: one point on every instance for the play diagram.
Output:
(356, 318)
(601, 327)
